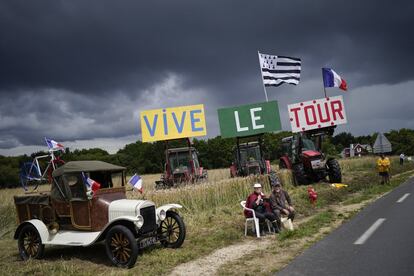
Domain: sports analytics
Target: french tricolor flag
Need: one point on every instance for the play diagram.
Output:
(53, 145)
(90, 183)
(136, 182)
(332, 79)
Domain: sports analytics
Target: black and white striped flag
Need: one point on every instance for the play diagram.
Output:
(277, 70)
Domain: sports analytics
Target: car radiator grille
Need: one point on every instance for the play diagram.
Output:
(150, 224)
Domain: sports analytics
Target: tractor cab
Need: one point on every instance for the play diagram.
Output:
(299, 146)
(302, 153)
(249, 159)
(182, 162)
(181, 166)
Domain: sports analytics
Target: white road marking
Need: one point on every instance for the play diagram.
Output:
(370, 231)
(403, 197)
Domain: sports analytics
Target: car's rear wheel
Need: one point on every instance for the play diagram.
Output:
(172, 230)
(121, 247)
(29, 243)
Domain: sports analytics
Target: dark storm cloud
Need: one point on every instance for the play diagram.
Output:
(104, 45)
(86, 67)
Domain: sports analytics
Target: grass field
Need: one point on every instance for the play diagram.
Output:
(211, 212)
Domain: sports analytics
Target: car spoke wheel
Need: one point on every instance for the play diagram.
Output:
(29, 243)
(121, 246)
(172, 230)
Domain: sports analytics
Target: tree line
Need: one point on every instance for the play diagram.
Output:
(214, 153)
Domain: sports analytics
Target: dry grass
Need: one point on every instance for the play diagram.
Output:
(211, 211)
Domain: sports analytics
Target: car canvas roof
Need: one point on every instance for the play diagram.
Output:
(86, 166)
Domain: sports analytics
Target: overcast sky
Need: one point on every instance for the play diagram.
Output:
(81, 71)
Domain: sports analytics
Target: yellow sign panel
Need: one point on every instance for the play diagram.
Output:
(173, 123)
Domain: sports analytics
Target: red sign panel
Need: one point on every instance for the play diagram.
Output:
(317, 114)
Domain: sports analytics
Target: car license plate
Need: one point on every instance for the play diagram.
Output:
(147, 242)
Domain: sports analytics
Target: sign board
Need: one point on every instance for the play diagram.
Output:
(250, 119)
(382, 144)
(317, 114)
(173, 123)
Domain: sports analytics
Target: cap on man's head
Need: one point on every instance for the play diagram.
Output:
(277, 184)
(257, 185)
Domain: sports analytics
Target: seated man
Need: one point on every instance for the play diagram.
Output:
(281, 203)
(256, 201)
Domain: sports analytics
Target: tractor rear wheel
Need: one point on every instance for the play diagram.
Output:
(334, 171)
(299, 175)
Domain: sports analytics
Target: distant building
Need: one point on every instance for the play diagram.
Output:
(356, 150)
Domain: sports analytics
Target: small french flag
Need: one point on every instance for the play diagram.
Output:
(332, 79)
(53, 145)
(90, 183)
(136, 182)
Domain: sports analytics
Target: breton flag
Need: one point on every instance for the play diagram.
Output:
(136, 182)
(53, 145)
(277, 70)
(332, 79)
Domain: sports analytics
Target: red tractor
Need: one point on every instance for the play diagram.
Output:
(303, 155)
(181, 167)
(249, 159)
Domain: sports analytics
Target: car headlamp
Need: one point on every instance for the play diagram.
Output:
(140, 221)
(162, 215)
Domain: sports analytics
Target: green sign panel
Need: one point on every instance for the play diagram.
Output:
(249, 119)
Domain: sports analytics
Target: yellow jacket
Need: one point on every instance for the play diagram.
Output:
(383, 165)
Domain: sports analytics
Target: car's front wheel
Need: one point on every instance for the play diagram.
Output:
(172, 230)
(121, 246)
(29, 243)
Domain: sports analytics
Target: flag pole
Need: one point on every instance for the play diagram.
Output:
(324, 88)
(261, 72)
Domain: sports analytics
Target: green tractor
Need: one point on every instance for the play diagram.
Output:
(302, 153)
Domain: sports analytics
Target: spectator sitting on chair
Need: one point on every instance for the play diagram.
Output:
(259, 203)
(281, 203)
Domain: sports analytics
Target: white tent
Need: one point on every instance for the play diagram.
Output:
(382, 145)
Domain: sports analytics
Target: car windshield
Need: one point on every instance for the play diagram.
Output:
(179, 160)
(308, 144)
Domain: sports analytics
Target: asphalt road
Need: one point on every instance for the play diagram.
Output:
(377, 241)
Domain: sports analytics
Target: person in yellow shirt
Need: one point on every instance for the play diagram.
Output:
(383, 166)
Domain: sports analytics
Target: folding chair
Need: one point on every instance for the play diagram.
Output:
(253, 220)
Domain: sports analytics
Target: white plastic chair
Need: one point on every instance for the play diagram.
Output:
(253, 220)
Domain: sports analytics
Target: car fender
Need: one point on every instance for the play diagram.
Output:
(128, 221)
(40, 227)
(120, 219)
(166, 207)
